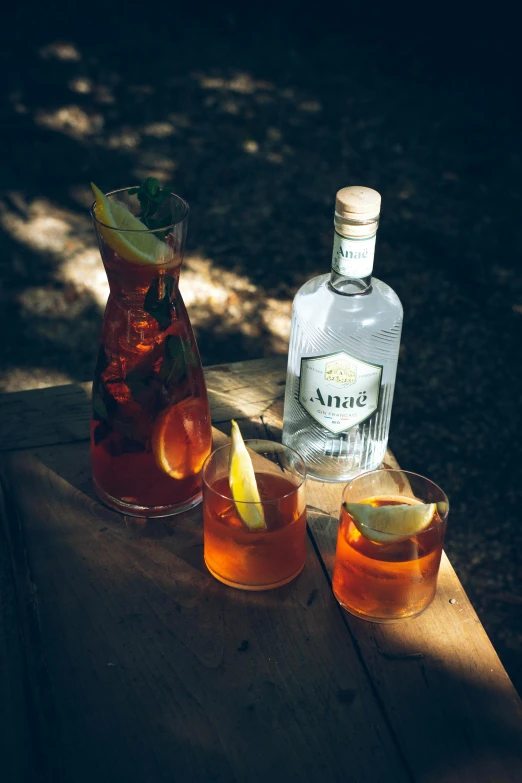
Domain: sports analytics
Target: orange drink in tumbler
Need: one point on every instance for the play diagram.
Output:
(389, 545)
(255, 541)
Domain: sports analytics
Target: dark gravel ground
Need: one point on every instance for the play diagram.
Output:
(257, 122)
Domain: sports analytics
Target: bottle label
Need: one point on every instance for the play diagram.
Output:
(353, 257)
(338, 390)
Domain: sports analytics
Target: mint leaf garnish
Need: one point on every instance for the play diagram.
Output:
(137, 381)
(151, 196)
(179, 355)
(103, 403)
(174, 359)
(101, 431)
(160, 307)
(99, 408)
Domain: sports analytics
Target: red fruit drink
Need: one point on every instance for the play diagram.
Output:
(150, 428)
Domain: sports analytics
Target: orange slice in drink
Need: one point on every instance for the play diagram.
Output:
(181, 438)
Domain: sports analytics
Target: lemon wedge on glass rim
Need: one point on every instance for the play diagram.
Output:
(243, 485)
(387, 524)
(132, 241)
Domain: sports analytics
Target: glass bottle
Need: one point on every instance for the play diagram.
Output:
(150, 428)
(343, 352)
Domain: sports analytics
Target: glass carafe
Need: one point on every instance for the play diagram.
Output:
(150, 429)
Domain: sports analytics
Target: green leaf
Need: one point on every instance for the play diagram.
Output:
(104, 406)
(101, 431)
(136, 386)
(102, 362)
(160, 307)
(99, 407)
(174, 360)
(180, 354)
(139, 378)
(151, 196)
(151, 186)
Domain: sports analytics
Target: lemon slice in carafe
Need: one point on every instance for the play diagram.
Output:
(133, 241)
(243, 483)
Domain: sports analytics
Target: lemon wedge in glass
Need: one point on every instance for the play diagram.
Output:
(132, 241)
(243, 485)
(387, 524)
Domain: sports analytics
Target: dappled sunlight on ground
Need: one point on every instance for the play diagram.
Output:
(257, 127)
(71, 120)
(217, 299)
(86, 270)
(225, 300)
(60, 50)
(113, 116)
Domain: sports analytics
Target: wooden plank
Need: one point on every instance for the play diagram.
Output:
(37, 417)
(439, 681)
(160, 673)
(245, 389)
(442, 685)
(17, 761)
(438, 674)
(60, 414)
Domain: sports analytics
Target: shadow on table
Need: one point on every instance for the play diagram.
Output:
(137, 626)
(60, 416)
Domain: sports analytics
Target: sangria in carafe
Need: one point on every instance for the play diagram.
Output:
(150, 429)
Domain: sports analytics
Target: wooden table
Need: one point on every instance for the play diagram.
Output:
(122, 659)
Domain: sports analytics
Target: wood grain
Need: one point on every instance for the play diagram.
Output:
(17, 760)
(135, 664)
(158, 672)
(60, 414)
(38, 417)
(438, 674)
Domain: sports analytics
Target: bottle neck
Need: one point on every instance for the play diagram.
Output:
(353, 252)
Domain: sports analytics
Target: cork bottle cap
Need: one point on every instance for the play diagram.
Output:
(358, 203)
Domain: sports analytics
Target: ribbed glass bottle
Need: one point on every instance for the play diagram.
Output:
(343, 353)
